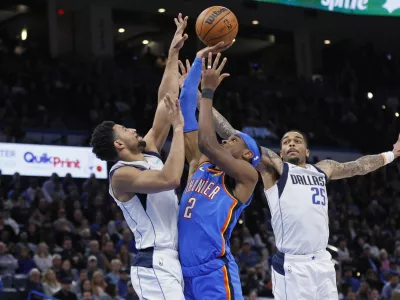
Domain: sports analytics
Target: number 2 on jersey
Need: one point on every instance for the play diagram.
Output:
(320, 193)
(189, 207)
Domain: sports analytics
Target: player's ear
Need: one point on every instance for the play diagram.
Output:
(118, 144)
(307, 152)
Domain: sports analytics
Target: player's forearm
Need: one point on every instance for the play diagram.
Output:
(361, 166)
(222, 126)
(207, 137)
(173, 167)
(170, 81)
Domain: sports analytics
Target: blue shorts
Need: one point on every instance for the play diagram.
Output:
(220, 284)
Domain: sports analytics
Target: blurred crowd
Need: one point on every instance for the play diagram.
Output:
(66, 238)
(356, 96)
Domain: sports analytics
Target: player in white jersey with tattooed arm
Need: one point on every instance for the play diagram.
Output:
(297, 197)
(144, 188)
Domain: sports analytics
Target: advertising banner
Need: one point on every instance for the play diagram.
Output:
(360, 7)
(43, 160)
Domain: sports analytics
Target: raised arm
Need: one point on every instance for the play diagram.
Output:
(128, 179)
(157, 135)
(188, 100)
(243, 172)
(364, 165)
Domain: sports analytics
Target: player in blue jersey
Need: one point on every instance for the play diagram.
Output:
(221, 183)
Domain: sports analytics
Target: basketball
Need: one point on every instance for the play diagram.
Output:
(216, 24)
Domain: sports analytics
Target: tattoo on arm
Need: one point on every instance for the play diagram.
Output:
(222, 126)
(269, 154)
(361, 166)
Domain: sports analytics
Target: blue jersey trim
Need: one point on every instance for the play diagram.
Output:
(319, 170)
(153, 154)
(283, 179)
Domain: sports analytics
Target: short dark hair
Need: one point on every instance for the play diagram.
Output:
(295, 130)
(102, 141)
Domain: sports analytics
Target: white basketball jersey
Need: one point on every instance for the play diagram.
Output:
(153, 218)
(299, 207)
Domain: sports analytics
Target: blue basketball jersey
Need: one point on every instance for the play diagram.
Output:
(207, 215)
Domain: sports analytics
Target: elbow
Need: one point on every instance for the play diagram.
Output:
(173, 183)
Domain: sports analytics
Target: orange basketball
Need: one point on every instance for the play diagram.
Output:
(216, 24)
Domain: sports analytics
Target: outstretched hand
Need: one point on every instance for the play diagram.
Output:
(185, 70)
(174, 111)
(211, 75)
(213, 49)
(396, 148)
(179, 37)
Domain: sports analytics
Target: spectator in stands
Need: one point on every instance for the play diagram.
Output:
(374, 295)
(67, 271)
(24, 243)
(343, 252)
(76, 286)
(42, 258)
(391, 286)
(85, 286)
(109, 254)
(131, 293)
(65, 292)
(348, 278)
(396, 295)
(87, 296)
(363, 291)
(94, 250)
(56, 265)
(123, 282)
(50, 283)
(53, 188)
(248, 258)
(114, 275)
(252, 295)
(367, 261)
(8, 263)
(25, 262)
(125, 257)
(10, 221)
(127, 240)
(110, 292)
(98, 283)
(34, 284)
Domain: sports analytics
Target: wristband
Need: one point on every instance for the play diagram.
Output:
(207, 93)
(388, 157)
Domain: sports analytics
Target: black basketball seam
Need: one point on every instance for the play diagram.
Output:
(216, 24)
(224, 34)
(205, 18)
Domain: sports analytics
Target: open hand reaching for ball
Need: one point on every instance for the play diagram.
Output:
(211, 75)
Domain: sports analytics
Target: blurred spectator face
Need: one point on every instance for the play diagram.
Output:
(43, 249)
(87, 296)
(3, 248)
(363, 288)
(55, 178)
(61, 213)
(34, 275)
(67, 245)
(57, 262)
(78, 216)
(123, 250)
(374, 295)
(351, 296)
(24, 253)
(127, 236)
(109, 247)
(87, 286)
(253, 295)
(66, 265)
(342, 244)
(94, 246)
(124, 276)
(92, 263)
(383, 254)
(367, 251)
(50, 275)
(348, 274)
(66, 286)
(98, 278)
(394, 280)
(83, 275)
(246, 248)
(23, 237)
(115, 266)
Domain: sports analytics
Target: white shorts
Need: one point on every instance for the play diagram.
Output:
(157, 275)
(304, 277)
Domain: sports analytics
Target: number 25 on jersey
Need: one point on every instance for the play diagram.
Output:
(188, 210)
(318, 196)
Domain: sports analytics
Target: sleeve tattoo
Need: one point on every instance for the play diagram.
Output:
(361, 166)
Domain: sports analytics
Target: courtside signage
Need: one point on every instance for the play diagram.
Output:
(360, 7)
(43, 160)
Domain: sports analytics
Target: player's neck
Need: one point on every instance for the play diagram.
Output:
(129, 156)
